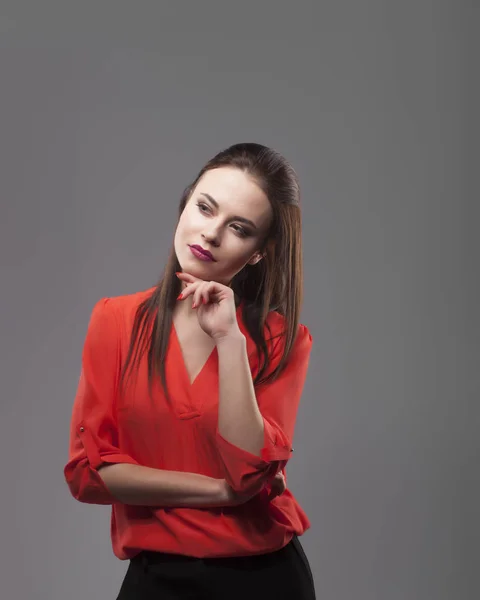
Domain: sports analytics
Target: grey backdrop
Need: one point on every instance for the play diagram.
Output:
(108, 109)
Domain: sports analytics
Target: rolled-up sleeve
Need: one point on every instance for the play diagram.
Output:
(93, 429)
(278, 403)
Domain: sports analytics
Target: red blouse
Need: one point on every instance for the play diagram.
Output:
(108, 427)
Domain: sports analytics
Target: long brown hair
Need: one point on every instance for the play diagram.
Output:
(273, 283)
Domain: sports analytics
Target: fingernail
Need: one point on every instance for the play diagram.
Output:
(204, 301)
(179, 297)
(194, 305)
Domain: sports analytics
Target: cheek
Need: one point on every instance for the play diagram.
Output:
(239, 259)
(178, 232)
(188, 219)
(183, 225)
(179, 235)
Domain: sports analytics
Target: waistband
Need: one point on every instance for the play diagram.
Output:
(152, 557)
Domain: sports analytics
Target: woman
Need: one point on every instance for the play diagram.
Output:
(185, 410)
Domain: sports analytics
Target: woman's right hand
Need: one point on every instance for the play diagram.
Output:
(278, 486)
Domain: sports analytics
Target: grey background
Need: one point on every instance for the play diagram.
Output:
(108, 110)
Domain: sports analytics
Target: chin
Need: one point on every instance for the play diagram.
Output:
(195, 267)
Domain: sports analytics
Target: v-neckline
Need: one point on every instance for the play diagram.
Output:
(210, 357)
(191, 382)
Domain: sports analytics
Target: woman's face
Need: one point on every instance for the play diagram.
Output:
(227, 215)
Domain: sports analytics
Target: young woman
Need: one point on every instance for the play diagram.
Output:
(185, 410)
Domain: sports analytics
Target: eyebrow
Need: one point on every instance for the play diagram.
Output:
(236, 218)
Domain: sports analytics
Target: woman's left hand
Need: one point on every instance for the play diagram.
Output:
(214, 303)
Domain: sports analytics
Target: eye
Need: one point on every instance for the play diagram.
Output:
(240, 230)
(202, 206)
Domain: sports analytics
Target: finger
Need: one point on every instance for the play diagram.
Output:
(278, 485)
(274, 491)
(187, 277)
(201, 293)
(208, 294)
(190, 289)
(205, 297)
(218, 290)
(196, 299)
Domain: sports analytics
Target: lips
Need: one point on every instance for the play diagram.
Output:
(202, 251)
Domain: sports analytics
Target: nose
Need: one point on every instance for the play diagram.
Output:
(211, 238)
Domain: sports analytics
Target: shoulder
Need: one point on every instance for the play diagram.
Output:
(126, 303)
(115, 312)
(298, 356)
(276, 323)
(275, 334)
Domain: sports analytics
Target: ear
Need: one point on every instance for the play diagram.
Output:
(257, 257)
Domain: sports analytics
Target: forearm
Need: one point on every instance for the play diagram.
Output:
(239, 419)
(145, 486)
